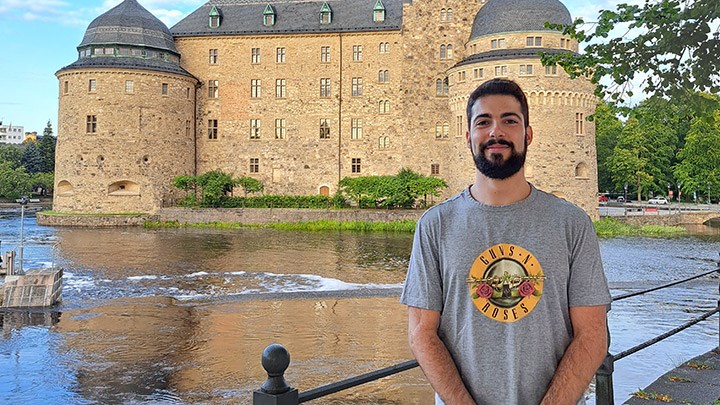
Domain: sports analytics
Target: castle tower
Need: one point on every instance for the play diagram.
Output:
(506, 38)
(126, 117)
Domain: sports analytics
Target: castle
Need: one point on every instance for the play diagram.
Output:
(302, 93)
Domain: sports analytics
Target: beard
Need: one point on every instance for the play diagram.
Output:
(496, 167)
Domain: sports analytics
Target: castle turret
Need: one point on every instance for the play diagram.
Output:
(507, 38)
(126, 117)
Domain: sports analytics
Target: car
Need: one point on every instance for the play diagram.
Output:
(621, 199)
(658, 200)
(602, 198)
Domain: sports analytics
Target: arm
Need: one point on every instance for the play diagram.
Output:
(582, 357)
(434, 358)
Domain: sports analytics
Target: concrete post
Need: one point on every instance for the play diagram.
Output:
(604, 394)
(275, 391)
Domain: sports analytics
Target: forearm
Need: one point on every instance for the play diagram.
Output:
(581, 360)
(439, 368)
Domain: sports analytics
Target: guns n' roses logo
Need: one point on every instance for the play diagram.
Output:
(506, 282)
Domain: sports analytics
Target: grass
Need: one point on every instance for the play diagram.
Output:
(93, 214)
(654, 396)
(609, 227)
(312, 226)
(677, 378)
(698, 365)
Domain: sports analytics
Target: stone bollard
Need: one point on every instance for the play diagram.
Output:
(604, 393)
(275, 391)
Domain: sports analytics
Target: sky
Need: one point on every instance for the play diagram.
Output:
(39, 37)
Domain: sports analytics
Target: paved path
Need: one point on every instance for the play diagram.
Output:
(695, 382)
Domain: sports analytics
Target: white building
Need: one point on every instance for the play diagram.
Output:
(11, 134)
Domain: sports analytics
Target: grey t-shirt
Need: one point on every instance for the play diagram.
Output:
(503, 279)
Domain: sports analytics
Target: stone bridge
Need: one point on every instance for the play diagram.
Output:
(670, 219)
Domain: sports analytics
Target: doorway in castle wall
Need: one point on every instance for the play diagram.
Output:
(325, 190)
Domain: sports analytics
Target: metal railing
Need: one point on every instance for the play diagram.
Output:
(276, 359)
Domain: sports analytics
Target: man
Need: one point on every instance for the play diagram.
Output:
(505, 289)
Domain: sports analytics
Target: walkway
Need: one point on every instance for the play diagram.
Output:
(694, 382)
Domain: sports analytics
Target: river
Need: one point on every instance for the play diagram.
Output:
(182, 316)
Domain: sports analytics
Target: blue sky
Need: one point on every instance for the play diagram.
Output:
(38, 37)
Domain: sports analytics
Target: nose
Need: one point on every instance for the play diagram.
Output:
(496, 132)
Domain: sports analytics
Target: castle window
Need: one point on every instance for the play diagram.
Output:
(136, 52)
(564, 43)
(579, 124)
(459, 122)
(357, 53)
(92, 85)
(384, 76)
(124, 188)
(383, 142)
(438, 129)
(213, 56)
(214, 17)
(356, 128)
(164, 89)
(384, 106)
(497, 43)
(449, 14)
(280, 128)
(325, 13)
(325, 87)
(129, 86)
(324, 128)
(357, 86)
(213, 89)
(435, 169)
(66, 87)
(526, 70)
(269, 16)
(280, 88)
(501, 71)
(478, 73)
(255, 59)
(187, 92)
(384, 47)
(254, 165)
(461, 76)
(325, 54)
(356, 165)
(280, 55)
(91, 124)
(443, 15)
(442, 87)
(443, 51)
(379, 11)
(581, 171)
(255, 86)
(212, 129)
(255, 129)
(551, 70)
(533, 41)
(449, 51)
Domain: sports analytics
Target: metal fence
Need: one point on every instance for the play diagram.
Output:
(276, 359)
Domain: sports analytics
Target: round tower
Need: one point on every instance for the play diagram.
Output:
(507, 37)
(126, 117)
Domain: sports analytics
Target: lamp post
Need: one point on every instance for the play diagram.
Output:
(23, 203)
(708, 195)
(625, 194)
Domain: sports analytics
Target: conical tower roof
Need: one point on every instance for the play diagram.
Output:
(129, 23)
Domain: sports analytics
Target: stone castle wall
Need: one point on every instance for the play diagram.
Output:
(142, 139)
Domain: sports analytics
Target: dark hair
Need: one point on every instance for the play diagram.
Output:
(499, 87)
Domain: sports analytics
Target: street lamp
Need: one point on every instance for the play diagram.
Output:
(23, 202)
(625, 194)
(708, 195)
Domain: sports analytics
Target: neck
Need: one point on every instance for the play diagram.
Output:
(500, 192)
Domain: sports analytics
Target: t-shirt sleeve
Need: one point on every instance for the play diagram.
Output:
(423, 284)
(588, 285)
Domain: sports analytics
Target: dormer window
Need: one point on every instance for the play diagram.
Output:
(379, 11)
(214, 17)
(325, 13)
(269, 16)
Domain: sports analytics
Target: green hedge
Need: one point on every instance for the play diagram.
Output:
(284, 201)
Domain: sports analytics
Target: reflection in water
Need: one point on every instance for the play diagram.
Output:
(182, 316)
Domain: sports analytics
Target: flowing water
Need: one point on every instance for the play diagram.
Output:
(182, 316)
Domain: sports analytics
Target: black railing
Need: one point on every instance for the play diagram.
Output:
(276, 359)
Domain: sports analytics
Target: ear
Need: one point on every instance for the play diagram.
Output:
(467, 140)
(529, 134)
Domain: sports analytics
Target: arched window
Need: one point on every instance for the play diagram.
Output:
(446, 86)
(449, 51)
(438, 130)
(383, 142)
(446, 129)
(383, 76)
(384, 106)
(325, 190)
(443, 15)
(443, 52)
(64, 188)
(438, 87)
(449, 14)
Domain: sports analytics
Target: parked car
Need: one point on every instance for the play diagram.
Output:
(658, 200)
(621, 199)
(602, 198)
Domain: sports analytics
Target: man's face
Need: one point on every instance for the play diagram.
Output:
(497, 137)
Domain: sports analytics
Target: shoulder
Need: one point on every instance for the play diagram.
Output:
(445, 210)
(560, 208)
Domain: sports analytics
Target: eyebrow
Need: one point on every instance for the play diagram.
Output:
(503, 115)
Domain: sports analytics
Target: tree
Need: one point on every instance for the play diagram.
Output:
(699, 169)
(675, 49)
(11, 154)
(46, 145)
(48, 129)
(14, 182)
(607, 130)
(630, 162)
(401, 190)
(31, 158)
(46, 181)
(249, 185)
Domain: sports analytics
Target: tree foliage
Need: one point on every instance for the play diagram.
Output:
(14, 181)
(46, 145)
(249, 185)
(607, 131)
(214, 187)
(699, 167)
(31, 158)
(400, 191)
(669, 45)
(11, 154)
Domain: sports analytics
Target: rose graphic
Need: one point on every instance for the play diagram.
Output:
(526, 288)
(484, 291)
